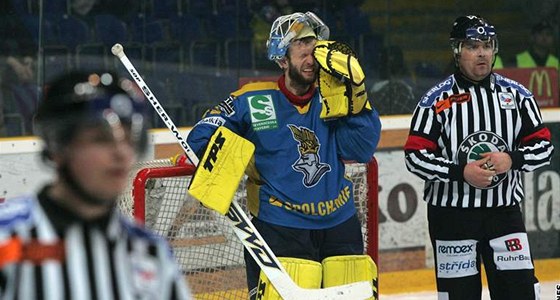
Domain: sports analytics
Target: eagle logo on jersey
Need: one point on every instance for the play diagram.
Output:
(481, 142)
(309, 162)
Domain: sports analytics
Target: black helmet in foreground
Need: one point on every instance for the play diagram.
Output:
(81, 99)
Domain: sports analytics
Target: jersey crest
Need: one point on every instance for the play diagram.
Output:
(309, 163)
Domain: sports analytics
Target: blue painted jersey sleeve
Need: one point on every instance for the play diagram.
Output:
(227, 114)
(357, 136)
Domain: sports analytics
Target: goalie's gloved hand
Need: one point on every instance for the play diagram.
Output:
(341, 80)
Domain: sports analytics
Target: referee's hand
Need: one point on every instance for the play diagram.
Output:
(500, 161)
(477, 173)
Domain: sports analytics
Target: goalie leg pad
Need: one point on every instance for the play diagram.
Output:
(305, 273)
(344, 269)
(221, 169)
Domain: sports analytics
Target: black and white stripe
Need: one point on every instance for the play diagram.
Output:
(448, 129)
(117, 261)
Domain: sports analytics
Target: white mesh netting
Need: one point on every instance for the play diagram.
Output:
(209, 252)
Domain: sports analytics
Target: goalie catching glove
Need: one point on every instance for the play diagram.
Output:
(220, 170)
(341, 80)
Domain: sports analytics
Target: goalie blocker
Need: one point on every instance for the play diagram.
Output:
(220, 170)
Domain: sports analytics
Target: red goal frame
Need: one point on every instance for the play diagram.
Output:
(372, 246)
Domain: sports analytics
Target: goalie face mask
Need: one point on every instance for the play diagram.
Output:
(287, 28)
(77, 101)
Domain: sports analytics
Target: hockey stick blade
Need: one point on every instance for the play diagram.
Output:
(243, 228)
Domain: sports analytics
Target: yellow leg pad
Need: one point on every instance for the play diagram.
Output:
(305, 273)
(344, 269)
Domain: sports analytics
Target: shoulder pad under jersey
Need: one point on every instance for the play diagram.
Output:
(139, 232)
(15, 210)
(506, 82)
(428, 99)
(256, 86)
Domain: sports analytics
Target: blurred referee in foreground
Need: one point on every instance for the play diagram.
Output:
(471, 138)
(69, 241)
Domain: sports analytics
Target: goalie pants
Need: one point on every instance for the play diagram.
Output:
(313, 244)
(462, 239)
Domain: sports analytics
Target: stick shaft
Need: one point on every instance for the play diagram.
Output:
(159, 109)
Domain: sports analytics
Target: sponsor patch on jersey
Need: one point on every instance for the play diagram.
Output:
(511, 252)
(214, 121)
(263, 113)
(506, 100)
(506, 82)
(14, 209)
(145, 276)
(456, 258)
(428, 99)
(480, 142)
(226, 107)
(448, 102)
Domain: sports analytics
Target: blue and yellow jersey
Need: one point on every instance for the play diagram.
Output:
(297, 176)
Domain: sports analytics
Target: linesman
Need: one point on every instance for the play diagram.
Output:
(69, 241)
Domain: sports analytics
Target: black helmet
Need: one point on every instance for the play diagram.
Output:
(79, 99)
(472, 28)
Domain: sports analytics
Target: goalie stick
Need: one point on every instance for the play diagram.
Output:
(243, 228)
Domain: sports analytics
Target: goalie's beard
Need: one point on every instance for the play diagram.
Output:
(80, 191)
(297, 78)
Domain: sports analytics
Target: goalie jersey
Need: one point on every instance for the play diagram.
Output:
(296, 178)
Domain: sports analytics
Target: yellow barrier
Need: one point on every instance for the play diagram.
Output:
(424, 279)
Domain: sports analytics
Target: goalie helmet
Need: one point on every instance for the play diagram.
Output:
(473, 28)
(81, 100)
(287, 28)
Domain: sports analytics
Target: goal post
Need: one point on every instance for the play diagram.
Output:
(203, 241)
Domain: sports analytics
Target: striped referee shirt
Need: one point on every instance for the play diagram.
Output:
(456, 121)
(47, 252)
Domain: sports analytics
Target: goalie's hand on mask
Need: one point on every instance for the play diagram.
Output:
(341, 80)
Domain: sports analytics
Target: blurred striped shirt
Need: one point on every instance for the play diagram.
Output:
(46, 252)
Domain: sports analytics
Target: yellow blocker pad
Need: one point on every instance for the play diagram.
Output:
(341, 80)
(220, 170)
(305, 273)
(344, 269)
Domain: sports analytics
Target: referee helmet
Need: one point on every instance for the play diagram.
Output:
(472, 27)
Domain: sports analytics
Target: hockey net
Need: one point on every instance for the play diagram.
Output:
(203, 241)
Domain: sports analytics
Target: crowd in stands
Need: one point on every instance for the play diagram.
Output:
(208, 42)
(167, 39)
